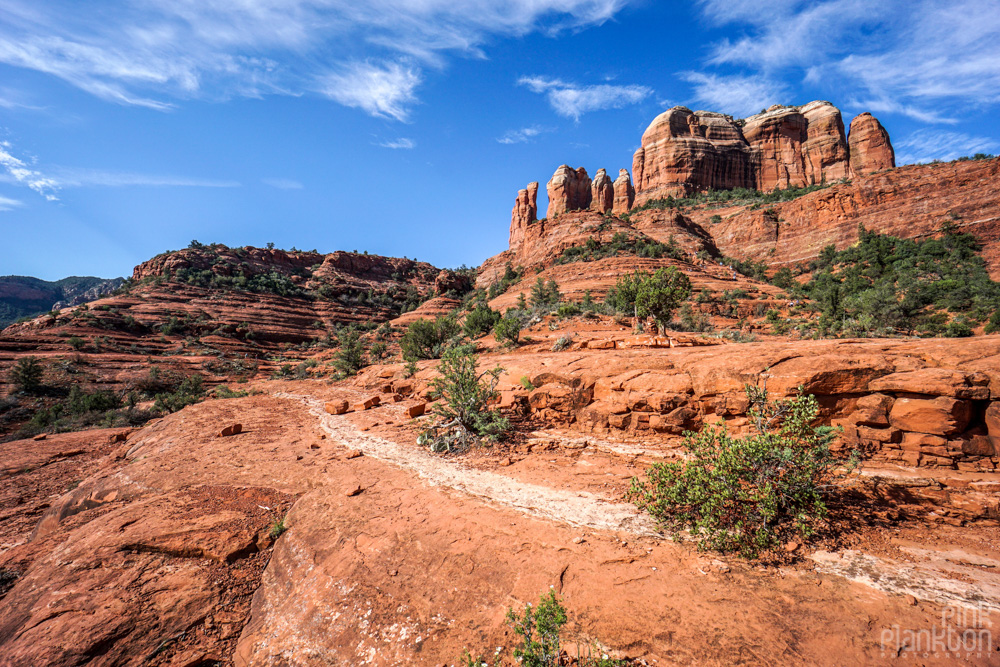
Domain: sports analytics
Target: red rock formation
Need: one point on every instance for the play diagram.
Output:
(683, 151)
(786, 146)
(524, 213)
(568, 190)
(870, 147)
(602, 193)
(797, 146)
(624, 193)
(909, 202)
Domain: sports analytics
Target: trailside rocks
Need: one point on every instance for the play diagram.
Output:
(524, 213)
(870, 147)
(568, 190)
(602, 192)
(624, 193)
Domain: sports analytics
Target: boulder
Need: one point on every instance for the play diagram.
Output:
(568, 190)
(450, 281)
(336, 407)
(416, 410)
(367, 403)
(234, 429)
(602, 193)
(870, 147)
(524, 213)
(939, 416)
(624, 193)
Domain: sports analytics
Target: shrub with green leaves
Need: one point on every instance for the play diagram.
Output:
(26, 375)
(654, 295)
(508, 329)
(544, 294)
(750, 494)
(350, 358)
(480, 321)
(427, 339)
(465, 415)
(538, 629)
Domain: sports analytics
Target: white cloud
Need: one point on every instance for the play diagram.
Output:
(77, 178)
(524, 135)
(736, 95)
(925, 59)
(572, 100)
(153, 53)
(282, 183)
(401, 143)
(21, 173)
(6, 203)
(385, 90)
(929, 145)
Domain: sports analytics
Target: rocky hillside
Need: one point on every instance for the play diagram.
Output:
(22, 296)
(221, 311)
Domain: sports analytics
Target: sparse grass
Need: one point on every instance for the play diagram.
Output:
(278, 528)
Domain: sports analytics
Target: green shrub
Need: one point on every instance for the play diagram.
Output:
(654, 295)
(76, 343)
(508, 329)
(993, 325)
(538, 629)
(747, 494)
(567, 310)
(427, 339)
(26, 375)
(465, 414)
(544, 294)
(480, 321)
(350, 358)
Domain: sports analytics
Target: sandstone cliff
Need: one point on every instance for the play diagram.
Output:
(569, 190)
(870, 147)
(624, 193)
(524, 213)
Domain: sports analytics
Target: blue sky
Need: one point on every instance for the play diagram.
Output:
(405, 127)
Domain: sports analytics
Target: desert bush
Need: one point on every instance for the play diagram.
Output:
(465, 415)
(427, 339)
(508, 329)
(654, 295)
(480, 321)
(750, 494)
(350, 358)
(567, 310)
(26, 375)
(544, 294)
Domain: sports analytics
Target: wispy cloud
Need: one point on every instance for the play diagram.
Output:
(18, 170)
(282, 183)
(155, 53)
(401, 143)
(78, 178)
(921, 58)
(522, 136)
(930, 145)
(573, 100)
(6, 203)
(386, 90)
(737, 95)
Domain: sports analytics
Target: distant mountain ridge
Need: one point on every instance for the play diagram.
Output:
(24, 296)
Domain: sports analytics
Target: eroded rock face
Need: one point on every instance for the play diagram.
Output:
(568, 190)
(870, 147)
(524, 213)
(683, 151)
(624, 193)
(602, 192)
(798, 146)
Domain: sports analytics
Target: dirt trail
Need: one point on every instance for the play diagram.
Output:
(938, 579)
(576, 508)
